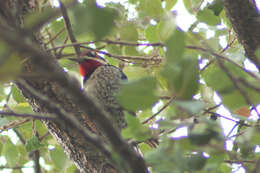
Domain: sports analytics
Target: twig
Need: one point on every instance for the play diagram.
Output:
(233, 128)
(36, 153)
(14, 124)
(245, 83)
(212, 108)
(257, 166)
(239, 161)
(55, 36)
(61, 50)
(15, 167)
(20, 136)
(219, 115)
(110, 42)
(44, 136)
(236, 135)
(121, 57)
(224, 58)
(157, 113)
(68, 27)
(208, 64)
(235, 82)
(132, 44)
(40, 117)
(52, 13)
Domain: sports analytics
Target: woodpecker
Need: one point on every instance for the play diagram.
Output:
(101, 81)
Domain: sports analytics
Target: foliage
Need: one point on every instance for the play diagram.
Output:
(182, 76)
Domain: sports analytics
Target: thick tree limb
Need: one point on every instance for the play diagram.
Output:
(245, 19)
(61, 89)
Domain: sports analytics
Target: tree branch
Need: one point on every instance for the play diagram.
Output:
(69, 29)
(244, 17)
(40, 117)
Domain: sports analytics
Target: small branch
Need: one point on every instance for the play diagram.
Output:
(14, 124)
(44, 136)
(36, 154)
(52, 13)
(222, 116)
(257, 166)
(132, 44)
(239, 161)
(55, 36)
(15, 167)
(247, 84)
(224, 58)
(233, 128)
(211, 108)
(69, 29)
(110, 42)
(40, 117)
(122, 58)
(20, 136)
(235, 82)
(157, 113)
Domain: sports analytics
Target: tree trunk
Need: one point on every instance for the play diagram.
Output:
(86, 156)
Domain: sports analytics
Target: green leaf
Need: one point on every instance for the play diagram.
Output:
(59, 158)
(133, 1)
(22, 108)
(3, 121)
(231, 96)
(71, 169)
(203, 133)
(26, 130)
(193, 107)
(36, 20)
(182, 77)
(151, 33)
(196, 162)
(129, 33)
(208, 17)
(55, 27)
(166, 28)
(135, 129)
(131, 51)
(217, 6)
(93, 19)
(215, 160)
(139, 94)
(3, 95)
(33, 144)
(114, 49)
(145, 148)
(176, 46)
(170, 4)
(166, 158)
(152, 8)
(10, 153)
(190, 5)
(17, 96)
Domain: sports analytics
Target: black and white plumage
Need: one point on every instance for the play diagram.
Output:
(101, 81)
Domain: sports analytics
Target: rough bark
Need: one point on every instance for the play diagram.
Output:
(245, 20)
(85, 155)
